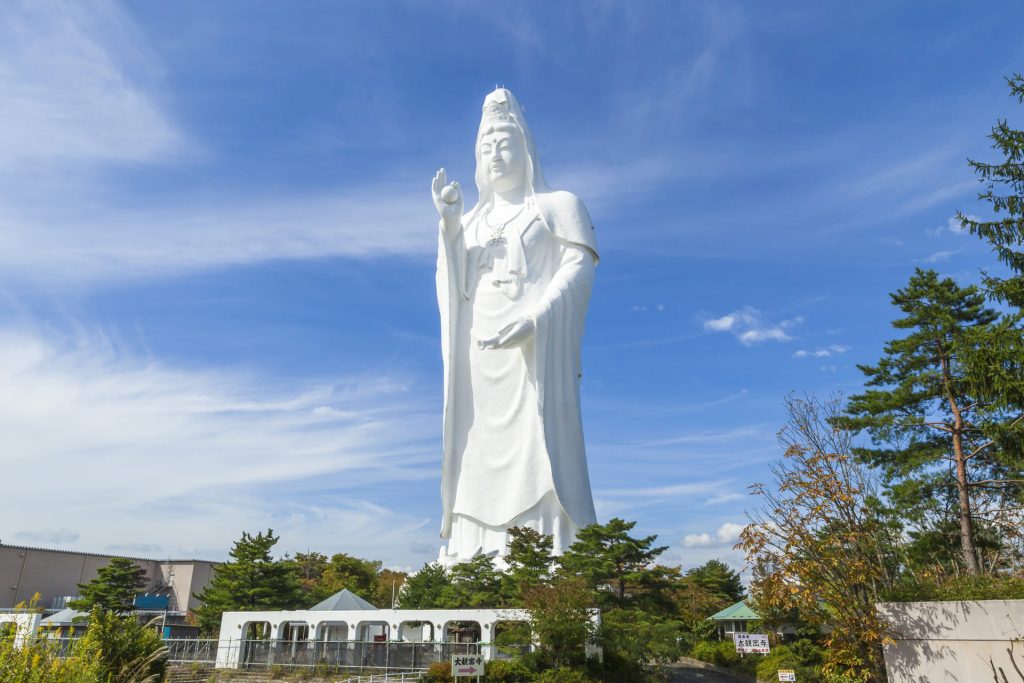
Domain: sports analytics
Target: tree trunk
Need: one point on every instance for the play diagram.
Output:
(966, 523)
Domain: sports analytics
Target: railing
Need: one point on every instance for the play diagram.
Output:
(389, 661)
(400, 677)
(345, 655)
(189, 650)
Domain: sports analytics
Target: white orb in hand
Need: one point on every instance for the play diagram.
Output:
(450, 194)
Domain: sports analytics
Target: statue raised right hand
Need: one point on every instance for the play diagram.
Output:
(447, 200)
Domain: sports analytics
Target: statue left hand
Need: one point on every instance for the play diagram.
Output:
(513, 334)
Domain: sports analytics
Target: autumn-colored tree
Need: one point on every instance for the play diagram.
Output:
(816, 544)
(560, 620)
(387, 587)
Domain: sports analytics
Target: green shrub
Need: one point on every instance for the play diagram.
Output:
(507, 671)
(563, 675)
(786, 657)
(37, 662)
(439, 672)
(127, 650)
(985, 587)
(718, 652)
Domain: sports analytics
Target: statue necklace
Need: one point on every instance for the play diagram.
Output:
(498, 232)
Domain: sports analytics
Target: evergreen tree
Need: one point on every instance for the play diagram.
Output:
(934, 438)
(475, 583)
(529, 561)
(251, 580)
(715, 577)
(114, 588)
(425, 589)
(1004, 192)
(613, 563)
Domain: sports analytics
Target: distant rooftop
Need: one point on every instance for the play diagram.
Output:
(738, 612)
(341, 601)
(91, 554)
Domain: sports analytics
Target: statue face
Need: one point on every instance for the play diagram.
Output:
(503, 156)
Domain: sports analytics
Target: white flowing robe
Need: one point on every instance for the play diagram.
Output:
(513, 438)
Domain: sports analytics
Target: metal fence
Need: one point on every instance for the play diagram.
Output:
(191, 650)
(401, 677)
(343, 655)
(347, 655)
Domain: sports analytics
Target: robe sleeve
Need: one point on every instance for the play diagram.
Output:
(451, 265)
(559, 319)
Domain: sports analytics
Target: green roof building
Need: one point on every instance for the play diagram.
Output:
(734, 619)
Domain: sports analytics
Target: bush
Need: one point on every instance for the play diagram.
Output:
(786, 657)
(723, 653)
(718, 652)
(507, 671)
(127, 651)
(985, 587)
(439, 672)
(563, 675)
(38, 662)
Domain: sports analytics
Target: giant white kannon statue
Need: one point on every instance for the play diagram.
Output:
(514, 276)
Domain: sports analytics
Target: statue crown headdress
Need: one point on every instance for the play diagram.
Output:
(496, 108)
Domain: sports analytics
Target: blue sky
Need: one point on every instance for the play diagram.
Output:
(216, 246)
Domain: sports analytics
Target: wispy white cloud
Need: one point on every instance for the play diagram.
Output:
(726, 535)
(105, 245)
(750, 326)
(79, 84)
(725, 498)
(140, 450)
(687, 489)
(941, 256)
(830, 350)
(951, 226)
(49, 536)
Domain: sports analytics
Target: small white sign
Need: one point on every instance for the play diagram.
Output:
(787, 675)
(746, 643)
(467, 665)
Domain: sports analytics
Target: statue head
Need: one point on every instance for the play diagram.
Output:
(506, 157)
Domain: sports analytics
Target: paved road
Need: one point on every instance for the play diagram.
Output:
(684, 673)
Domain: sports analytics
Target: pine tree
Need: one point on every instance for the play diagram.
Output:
(612, 562)
(529, 561)
(1004, 191)
(252, 580)
(932, 434)
(475, 583)
(114, 588)
(425, 589)
(715, 577)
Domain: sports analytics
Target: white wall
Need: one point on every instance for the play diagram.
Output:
(25, 623)
(939, 642)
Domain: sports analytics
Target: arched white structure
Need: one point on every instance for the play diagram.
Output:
(324, 627)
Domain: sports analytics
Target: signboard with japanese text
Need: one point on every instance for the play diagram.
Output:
(787, 675)
(467, 665)
(746, 643)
